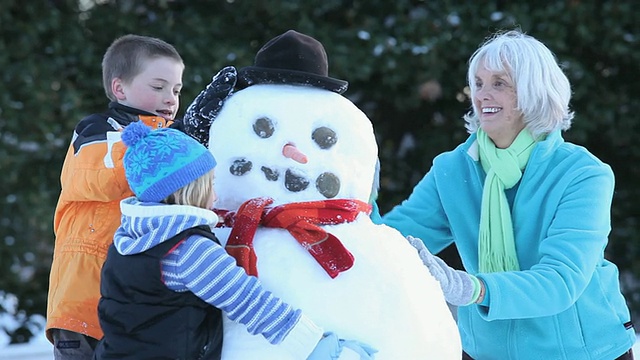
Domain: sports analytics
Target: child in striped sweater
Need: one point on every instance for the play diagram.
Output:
(167, 279)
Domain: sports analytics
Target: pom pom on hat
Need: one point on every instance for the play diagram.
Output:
(135, 132)
(158, 163)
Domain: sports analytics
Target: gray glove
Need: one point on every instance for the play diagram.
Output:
(206, 106)
(459, 287)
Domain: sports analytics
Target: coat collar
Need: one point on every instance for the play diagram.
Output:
(543, 149)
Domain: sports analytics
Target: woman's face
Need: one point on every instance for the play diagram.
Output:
(496, 102)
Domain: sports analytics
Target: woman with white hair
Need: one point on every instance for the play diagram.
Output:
(529, 214)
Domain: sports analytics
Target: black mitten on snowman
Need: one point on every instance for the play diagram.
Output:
(206, 106)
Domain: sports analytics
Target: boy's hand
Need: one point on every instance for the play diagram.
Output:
(206, 106)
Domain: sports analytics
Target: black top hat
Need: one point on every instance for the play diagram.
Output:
(291, 58)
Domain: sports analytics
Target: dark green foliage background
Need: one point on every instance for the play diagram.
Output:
(405, 61)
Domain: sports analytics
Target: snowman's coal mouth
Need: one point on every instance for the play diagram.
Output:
(327, 183)
(295, 182)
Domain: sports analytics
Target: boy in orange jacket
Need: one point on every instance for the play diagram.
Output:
(142, 76)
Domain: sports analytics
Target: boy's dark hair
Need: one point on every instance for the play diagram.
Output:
(125, 56)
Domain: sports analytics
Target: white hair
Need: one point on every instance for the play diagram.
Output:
(542, 89)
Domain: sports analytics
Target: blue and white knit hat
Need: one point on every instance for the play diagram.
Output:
(159, 162)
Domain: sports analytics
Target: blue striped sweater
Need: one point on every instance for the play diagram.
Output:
(203, 267)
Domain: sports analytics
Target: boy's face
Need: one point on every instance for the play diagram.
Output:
(156, 89)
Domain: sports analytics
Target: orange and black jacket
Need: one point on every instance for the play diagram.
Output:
(87, 216)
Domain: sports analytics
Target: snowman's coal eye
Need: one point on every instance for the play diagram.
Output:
(240, 167)
(328, 184)
(263, 127)
(324, 137)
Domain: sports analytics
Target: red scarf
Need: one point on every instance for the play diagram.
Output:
(301, 220)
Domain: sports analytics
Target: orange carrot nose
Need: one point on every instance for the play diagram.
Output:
(291, 151)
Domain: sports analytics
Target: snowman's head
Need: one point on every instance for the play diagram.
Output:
(258, 125)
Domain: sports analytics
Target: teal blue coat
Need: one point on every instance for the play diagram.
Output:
(565, 303)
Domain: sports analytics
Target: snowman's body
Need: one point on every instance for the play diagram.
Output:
(387, 299)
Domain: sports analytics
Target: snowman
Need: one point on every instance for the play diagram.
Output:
(296, 164)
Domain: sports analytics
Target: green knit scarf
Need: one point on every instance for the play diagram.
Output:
(496, 243)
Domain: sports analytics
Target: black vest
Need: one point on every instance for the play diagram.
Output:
(143, 319)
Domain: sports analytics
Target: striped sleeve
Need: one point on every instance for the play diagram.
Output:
(203, 267)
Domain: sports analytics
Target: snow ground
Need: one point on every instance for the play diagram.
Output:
(41, 349)
(38, 349)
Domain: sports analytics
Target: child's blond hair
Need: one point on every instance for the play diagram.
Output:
(196, 193)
